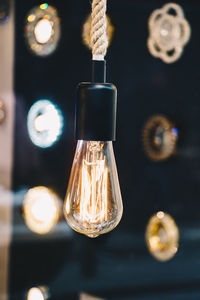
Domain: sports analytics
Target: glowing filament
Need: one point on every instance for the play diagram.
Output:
(94, 182)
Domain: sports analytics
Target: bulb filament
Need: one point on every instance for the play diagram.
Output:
(94, 185)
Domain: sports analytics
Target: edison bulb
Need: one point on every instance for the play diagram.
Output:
(41, 209)
(93, 203)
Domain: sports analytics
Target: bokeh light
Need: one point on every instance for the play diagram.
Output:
(45, 123)
(162, 236)
(42, 29)
(41, 209)
(37, 293)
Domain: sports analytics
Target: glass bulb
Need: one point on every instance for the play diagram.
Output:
(93, 203)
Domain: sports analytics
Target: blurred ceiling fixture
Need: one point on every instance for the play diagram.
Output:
(159, 138)
(2, 112)
(45, 123)
(169, 32)
(86, 32)
(41, 209)
(42, 29)
(93, 203)
(162, 236)
(4, 10)
(38, 293)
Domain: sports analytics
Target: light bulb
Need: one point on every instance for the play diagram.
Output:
(93, 203)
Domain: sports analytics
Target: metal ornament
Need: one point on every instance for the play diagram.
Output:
(169, 32)
(160, 138)
(162, 236)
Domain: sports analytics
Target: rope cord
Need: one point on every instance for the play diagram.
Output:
(99, 40)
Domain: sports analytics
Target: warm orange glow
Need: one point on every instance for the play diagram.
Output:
(41, 209)
(94, 201)
(162, 236)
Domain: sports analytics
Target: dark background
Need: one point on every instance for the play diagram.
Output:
(116, 266)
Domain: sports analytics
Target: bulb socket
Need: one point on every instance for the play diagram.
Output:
(96, 106)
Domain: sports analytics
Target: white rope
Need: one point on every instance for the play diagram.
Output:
(99, 40)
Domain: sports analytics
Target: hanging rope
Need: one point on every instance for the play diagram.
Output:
(99, 41)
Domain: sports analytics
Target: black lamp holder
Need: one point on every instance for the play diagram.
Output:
(96, 105)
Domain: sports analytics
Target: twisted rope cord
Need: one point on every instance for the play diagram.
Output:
(99, 40)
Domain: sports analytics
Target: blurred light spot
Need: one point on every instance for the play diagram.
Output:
(45, 123)
(43, 31)
(84, 296)
(162, 236)
(31, 18)
(41, 209)
(160, 214)
(175, 131)
(35, 294)
(44, 6)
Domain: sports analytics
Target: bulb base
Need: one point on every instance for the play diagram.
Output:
(96, 105)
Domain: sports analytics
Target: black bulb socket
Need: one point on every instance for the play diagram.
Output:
(96, 105)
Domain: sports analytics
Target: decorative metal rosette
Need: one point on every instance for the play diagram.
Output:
(87, 29)
(159, 138)
(162, 236)
(42, 29)
(169, 32)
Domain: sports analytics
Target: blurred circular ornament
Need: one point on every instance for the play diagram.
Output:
(42, 29)
(41, 209)
(169, 32)
(87, 29)
(2, 112)
(38, 293)
(159, 138)
(45, 123)
(162, 236)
